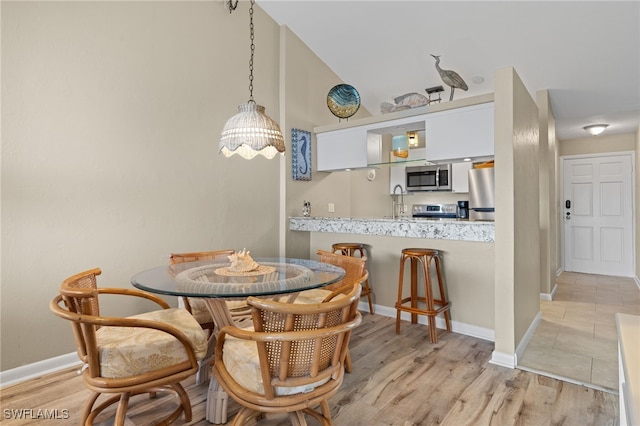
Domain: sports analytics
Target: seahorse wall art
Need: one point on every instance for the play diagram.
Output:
(301, 154)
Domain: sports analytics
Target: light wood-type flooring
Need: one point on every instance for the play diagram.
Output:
(397, 380)
(577, 339)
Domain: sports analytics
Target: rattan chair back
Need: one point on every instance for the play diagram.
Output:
(78, 302)
(354, 268)
(216, 255)
(297, 345)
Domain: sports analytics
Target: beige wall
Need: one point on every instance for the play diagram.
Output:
(468, 277)
(637, 202)
(598, 144)
(111, 115)
(305, 85)
(548, 160)
(517, 251)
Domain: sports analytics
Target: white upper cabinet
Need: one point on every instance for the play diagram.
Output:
(451, 134)
(342, 149)
(460, 133)
(460, 177)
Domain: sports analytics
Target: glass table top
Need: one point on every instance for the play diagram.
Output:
(215, 280)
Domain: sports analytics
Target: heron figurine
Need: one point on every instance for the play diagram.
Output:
(450, 78)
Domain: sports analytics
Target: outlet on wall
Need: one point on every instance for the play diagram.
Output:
(332, 208)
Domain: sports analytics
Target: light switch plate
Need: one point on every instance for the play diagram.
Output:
(332, 208)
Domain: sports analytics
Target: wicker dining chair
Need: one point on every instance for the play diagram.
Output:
(293, 359)
(354, 268)
(146, 353)
(195, 305)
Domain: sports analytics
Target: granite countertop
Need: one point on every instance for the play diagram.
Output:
(440, 229)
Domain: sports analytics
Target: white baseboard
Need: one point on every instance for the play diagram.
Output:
(38, 369)
(549, 296)
(559, 271)
(457, 327)
(528, 335)
(504, 360)
(637, 280)
(511, 360)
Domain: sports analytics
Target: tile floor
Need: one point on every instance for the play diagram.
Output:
(576, 340)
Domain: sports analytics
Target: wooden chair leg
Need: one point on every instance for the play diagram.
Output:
(326, 411)
(399, 300)
(89, 407)
(185, 402)
(243, 415)
(121, 411)
(297, 418)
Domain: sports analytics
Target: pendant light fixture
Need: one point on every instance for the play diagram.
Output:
(251, 132)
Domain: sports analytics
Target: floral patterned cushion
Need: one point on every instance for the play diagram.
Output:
(201, 313)
(240, 358)
(316, 295)
(127, 351)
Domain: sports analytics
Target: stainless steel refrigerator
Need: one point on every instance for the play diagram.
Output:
(482, 194)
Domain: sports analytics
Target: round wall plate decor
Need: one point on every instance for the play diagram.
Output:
(343, 100)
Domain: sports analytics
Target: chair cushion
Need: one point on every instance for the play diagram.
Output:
(316, 295)
(127, 351)
(201, 313)
(240, 358)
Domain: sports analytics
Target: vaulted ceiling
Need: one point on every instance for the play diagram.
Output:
(586, 53)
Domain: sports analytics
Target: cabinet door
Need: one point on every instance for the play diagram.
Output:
(342, 149)
(460, 177)
(460, 133)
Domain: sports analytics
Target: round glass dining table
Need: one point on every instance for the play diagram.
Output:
(216, 283)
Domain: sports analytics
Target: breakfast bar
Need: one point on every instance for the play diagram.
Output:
(439, 229)
(466, 247)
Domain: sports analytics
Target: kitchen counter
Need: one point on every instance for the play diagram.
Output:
(467, 252)
(437, 229)
(628, 327)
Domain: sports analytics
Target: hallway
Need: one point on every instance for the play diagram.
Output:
(576, 339)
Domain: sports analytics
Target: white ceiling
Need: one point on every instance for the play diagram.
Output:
(586, 53)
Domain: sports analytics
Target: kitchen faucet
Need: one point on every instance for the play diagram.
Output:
(394, 203)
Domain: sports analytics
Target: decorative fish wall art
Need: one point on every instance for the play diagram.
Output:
(406, 101)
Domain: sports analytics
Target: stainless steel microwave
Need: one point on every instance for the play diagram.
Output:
(429, 178)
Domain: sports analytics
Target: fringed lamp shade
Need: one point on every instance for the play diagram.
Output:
(251, 132)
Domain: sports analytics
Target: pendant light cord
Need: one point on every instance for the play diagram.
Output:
(253, 47)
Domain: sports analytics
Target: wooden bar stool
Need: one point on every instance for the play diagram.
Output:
(422, 256)
(350, 249)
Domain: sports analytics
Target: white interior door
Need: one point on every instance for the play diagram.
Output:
(598, 215)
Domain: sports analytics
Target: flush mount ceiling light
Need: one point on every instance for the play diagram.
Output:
(251, 132)
(595, 129)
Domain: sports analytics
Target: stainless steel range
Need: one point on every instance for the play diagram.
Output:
(434, 211)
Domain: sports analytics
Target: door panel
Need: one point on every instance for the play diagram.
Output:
(611, 200)
(598, 226)
(582, 199)
(612, 240)
(582, 243)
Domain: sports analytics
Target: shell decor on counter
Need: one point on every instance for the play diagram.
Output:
(406, 101)
(242, 262)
